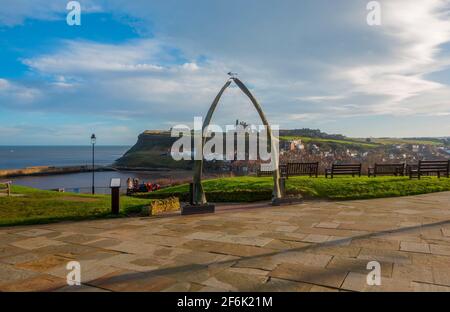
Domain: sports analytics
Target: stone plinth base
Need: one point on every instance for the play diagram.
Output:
(298, 199)
(197, 209)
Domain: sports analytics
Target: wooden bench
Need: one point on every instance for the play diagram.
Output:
(293, 169)
(6, 186)
(411, 167)
(387, 169)
(428, 167)
(299, 169)
(266, 173)
(343, 169)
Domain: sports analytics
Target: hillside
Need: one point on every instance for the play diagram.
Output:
(152, 149)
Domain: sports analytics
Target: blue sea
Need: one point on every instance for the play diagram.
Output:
(17, 157)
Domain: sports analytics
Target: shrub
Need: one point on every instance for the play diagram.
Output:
(251, 189)
(160, 206)
(244, 196)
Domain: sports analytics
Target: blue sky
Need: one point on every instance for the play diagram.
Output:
(136, 65)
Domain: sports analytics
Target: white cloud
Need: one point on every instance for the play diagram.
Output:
(82, 57)
(4, 84)
(305, 63)
(419, 28)
(139, 79)
(191, 66)
(304, 117)
(17, 11)
(323, 98)
(18, 94)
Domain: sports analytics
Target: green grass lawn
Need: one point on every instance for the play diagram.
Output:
(248, 189)
(37, 206)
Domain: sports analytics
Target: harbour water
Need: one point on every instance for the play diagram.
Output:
(82, 182)
(15, 157)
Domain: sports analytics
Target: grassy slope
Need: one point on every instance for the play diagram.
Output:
(359, 142)
(342, 188)
(394, 141)
(151, 159)
(349, 142)
(36, 206)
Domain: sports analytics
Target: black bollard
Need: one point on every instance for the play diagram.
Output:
(115, 196)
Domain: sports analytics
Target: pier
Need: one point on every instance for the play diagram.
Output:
(50, 170)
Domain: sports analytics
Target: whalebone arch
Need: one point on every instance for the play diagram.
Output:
(199, 194)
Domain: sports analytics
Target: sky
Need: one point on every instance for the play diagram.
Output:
(137, 65)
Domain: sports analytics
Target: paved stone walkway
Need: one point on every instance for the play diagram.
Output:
(315, 246)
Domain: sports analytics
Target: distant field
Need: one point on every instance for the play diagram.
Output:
(352, 142)
(361, 142)
(393, 141)
(248, 189)
(36, 206)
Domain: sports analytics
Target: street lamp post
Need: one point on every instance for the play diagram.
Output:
(93, 141)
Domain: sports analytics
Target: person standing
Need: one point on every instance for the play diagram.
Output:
(129, 186)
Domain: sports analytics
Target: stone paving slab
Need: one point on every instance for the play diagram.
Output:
(312, 246)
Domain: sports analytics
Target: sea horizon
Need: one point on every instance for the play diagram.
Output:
(23, 156)
(66, 145)
(72, 155)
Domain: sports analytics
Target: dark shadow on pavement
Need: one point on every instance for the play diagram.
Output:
(131, 277)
